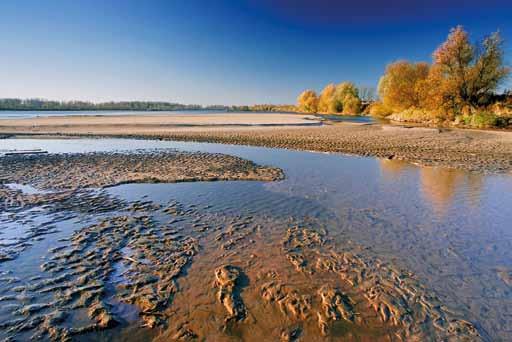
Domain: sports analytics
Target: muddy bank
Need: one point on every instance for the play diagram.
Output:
(99, 170)
(73, 178)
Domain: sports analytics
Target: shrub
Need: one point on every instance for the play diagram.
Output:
(378, 109)
(418, 115)
(502, 109)
(484, 119)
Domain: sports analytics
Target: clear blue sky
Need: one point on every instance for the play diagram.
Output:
(221, 52)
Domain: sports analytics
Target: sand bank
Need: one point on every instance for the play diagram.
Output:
(473, 150)
(223, 119)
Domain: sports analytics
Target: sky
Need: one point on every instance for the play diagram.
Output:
(222, 52)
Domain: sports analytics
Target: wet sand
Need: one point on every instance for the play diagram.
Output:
(473, 150)
(100, 170)
(141, 270)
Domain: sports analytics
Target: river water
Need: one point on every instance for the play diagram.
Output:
(450, 228)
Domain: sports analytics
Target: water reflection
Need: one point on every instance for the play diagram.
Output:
(441, 187)
(393, 169)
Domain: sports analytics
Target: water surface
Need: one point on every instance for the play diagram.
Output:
(450, 227)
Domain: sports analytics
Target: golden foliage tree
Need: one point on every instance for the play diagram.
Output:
(400, 87)
(469, 73)
(351, 105)
(326, 102)
(379, 110)
(341, 98)
(308, 101)
(347, 98)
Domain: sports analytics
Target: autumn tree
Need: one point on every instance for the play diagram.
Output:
(399, 87)
(347, 98)
(308, 101)
(326, 102)
(469, 73)
(351, 105)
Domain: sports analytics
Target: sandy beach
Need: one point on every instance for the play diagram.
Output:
(473, 150)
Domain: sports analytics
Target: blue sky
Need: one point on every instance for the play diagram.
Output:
(221, 52)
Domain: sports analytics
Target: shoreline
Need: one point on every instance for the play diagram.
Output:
(466, 149)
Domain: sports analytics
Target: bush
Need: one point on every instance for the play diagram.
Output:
(378, 109)
(418, 115)
(484, 119)
(502, 109)
(399, 87)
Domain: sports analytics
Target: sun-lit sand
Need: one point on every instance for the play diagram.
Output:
(223, 119)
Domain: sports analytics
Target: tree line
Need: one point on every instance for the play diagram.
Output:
(40, 104)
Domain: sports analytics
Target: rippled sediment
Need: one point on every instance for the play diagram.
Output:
(177, 272)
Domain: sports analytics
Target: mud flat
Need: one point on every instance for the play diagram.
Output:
(146, 270)
(176, 272)
(98, 170)
(72, 178)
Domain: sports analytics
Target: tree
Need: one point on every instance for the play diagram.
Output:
(347, 98)
(345, 89)
(326, 102)
(399, 87)
(308, 101)
(351, 105)
(470, 73)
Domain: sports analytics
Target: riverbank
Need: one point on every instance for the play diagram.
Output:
(473, 150)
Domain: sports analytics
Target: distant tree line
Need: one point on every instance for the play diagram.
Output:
(264, 108)
(40, 104)
(458, 87)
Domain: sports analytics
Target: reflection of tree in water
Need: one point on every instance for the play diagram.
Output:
(393, 169)
(439, 185)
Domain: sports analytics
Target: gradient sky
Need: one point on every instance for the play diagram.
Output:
(221, 52)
